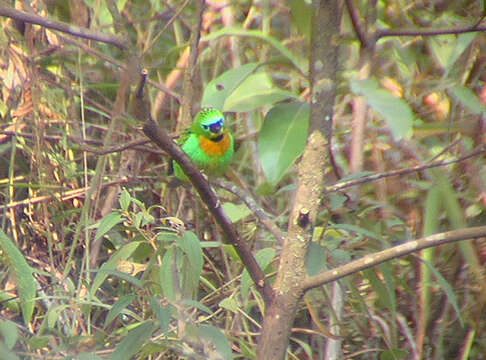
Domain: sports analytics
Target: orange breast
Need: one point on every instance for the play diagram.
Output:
(214, 148)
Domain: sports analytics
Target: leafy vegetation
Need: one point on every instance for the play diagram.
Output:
(101, 258)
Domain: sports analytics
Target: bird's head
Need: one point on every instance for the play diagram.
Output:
(209, 122)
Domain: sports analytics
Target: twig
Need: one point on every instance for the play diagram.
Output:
(377, 258)
(136, 144)
(61, 26)
(62, 196)
(427, 32)
(357, 25)
(254, 207)
(120, 65)
(208, 196)
(374, 177)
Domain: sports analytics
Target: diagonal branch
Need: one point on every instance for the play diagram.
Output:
(373, 177)
(208, 196)
(61, 26)
(409, 247)
(428, 32)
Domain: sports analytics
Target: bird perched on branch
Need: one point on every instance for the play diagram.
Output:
(208, 143)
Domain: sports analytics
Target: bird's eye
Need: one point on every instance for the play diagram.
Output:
(205, 127)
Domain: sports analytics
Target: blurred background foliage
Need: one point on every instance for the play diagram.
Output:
(102, 258)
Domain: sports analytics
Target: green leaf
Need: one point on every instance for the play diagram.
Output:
(316, 258)
(396, 111)
(468, 98)
(255, 91)
(22, 274)
(107, 223)
(446, 287)
(394, 354)
(447, 49)
(263, 257)
(118, 307)
(88, 356)
(220, 88)
(166, 274)
(125, 199)
(383, 296)
(163, 313)
(133, 342)
(219, 340)
(191, 264)
(8, 330)
(301, 12)
(233, 31)
(124, 253)
(236, 212)
(282, 138)
(230, 304)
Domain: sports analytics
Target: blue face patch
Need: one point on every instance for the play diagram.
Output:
(214, 126)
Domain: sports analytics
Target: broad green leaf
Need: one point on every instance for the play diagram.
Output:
(124, 253)
(133, 342)
(166, 274)
(383, 295)
(230, 304)
(117, 308)
(189, 260)
(282, 138)
(7, 354)
(301, 12)
(236, 212)
(125, 199)
(396, 111)
(233, 31)
(88, 356)
(218, 339)
(8, 330)
(448, 48)
(163, 313)
(263, 257)
(468, 98)
(394, 354)
(218, 89)
(446, 287)
(22, 274)
(197, 305)
(255, 91)
(316, 258)
(107, 223)
(122, 275)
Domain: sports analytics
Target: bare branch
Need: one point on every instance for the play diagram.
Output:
(428, 32)
(61, 26)
(409, 247)
(373, 177)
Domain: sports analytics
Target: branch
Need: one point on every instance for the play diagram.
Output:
(342, 185)
(409, 247)
(254, 207)
(61, 26)
(357, 25)
(427, 32)
(208, 196)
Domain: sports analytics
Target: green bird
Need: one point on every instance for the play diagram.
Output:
(208, 143)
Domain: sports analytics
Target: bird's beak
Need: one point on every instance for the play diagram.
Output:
(215, 128)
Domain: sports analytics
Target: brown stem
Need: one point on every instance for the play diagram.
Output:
(280, 313)
(342, 185)
(409, 247)
(61, 26)
(427, 32)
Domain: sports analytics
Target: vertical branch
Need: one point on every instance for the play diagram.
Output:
(288, 288)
